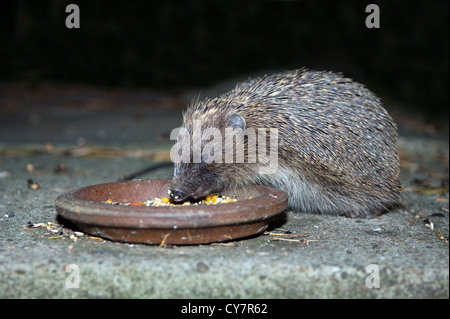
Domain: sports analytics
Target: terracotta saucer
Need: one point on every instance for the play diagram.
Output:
(183, 225)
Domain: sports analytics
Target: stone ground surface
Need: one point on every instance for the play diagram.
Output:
(99, 136)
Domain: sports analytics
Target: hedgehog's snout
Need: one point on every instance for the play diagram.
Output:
(177, 195)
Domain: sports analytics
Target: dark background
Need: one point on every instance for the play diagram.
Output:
(165, 45)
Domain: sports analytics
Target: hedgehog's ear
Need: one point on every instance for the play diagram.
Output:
(236, 121)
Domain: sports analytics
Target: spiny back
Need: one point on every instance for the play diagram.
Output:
(333, 132)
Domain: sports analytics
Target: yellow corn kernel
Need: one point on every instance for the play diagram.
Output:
(109, 200)
(214, 198)
(165, 199)
(208, 198)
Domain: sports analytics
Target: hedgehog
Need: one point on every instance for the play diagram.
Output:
(336, 146)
